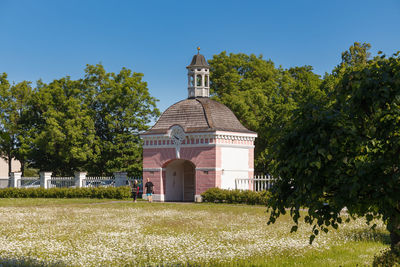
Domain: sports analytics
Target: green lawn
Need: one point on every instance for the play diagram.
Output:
(87, 232)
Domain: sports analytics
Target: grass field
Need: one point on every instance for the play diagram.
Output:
(89, 232)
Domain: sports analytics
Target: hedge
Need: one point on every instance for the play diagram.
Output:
(217, 195)
(85, 192)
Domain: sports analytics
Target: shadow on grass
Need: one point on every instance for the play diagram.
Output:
(26, 261)
(368, 235)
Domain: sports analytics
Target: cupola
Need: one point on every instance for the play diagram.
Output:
(198, 77)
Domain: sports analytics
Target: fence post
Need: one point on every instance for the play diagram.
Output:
(45, 177)
(269, 181)
(79, 179)
(15, 178)
(121, 178)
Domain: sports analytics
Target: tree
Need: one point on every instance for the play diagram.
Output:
(346, 152)
(60, 128)
(90, 124)
(13, 103)
(121, 108)
(261, 96)
(357, 54)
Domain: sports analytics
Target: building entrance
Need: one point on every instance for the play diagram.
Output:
(180, 181)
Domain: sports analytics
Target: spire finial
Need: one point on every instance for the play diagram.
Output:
(198, 50)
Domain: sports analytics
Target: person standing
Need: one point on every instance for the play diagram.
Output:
(149, 190)
(135, 190)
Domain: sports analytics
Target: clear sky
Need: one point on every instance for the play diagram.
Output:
(52, 39)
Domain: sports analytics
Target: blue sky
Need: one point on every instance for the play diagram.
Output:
(52, 39)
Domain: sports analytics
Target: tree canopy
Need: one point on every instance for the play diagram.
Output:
(60, 128)
(344, 152)
(13, 104)
(261, 95)
(90, 124)
(121, 107)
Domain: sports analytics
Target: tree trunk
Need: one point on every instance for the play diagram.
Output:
(23, 167)
(9, 159)
(395, 232)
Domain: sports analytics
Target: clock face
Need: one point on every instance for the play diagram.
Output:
(177, 135)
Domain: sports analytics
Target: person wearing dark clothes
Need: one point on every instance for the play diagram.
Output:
(149, 190)
(135, 190)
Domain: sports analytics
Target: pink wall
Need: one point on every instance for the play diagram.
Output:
(201, 157)
(155, 178)
(207, 161)
(205, 180)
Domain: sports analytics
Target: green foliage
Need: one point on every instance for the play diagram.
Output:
(357, 54)
(217, 195)
(13, 104)
(121, 108)
(261, 96)
(91, 124)
(344, 153)
(85, 192)
(60, 128)
(387, 258)
(31, 172)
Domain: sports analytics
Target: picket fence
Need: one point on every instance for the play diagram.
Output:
(257, 183)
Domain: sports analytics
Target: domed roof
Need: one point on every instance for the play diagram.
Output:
(198, 115)
(198, 61)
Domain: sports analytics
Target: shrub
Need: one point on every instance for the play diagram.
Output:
(88, 192)
(388, 258)
(217, 195)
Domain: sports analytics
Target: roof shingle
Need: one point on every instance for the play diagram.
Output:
(198, 115)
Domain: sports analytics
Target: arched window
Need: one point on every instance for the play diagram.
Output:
(198, 80)
(206, 81)
(191, 81)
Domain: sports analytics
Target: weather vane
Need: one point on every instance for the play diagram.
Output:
(198, 50)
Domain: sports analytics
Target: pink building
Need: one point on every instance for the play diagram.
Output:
(197, 144)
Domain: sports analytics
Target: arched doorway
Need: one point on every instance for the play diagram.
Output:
(180, 181)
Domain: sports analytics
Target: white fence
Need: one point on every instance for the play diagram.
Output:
(257, 183)
(99, 181)
(46, 180)
(132, 179)
(61, 182)
(28, 182)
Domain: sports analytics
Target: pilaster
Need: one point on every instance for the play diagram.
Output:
(45, 177)
(15, 178)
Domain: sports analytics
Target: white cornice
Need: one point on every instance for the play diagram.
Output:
(254, 135)
(212, 135)
(221, 169)
(199, 169)
(200, 145)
